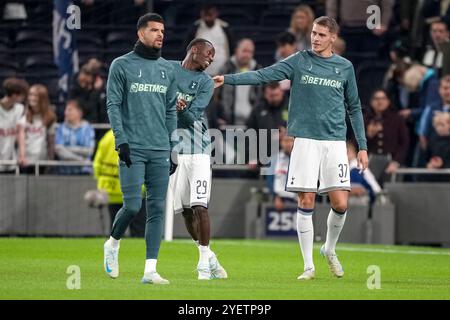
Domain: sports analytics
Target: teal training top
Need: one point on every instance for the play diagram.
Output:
(322, 90)
(196, 88)
(141, 102)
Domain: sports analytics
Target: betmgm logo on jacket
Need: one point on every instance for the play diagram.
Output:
(306, 79)
(147, 87)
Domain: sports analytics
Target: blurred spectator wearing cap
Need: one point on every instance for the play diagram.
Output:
(40, 125)
(75, 139)
(11, 131)
(301, 25)
(387, 136)
(87, 89)
(215, 30)
(237, 102)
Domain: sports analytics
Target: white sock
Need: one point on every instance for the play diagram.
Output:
(114, 243)
(305, 232)
(150, 266)
(204, 254)
(335, 223)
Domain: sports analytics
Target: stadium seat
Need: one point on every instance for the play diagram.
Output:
(9, 65)
(39, 11)
(89, 42)
(37, 65)
(122, 41)
(31, 40)
(279, 19)
(4, 39)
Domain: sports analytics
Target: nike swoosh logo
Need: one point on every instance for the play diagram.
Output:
(201, 198)
(344, 181)
(108, 270)
(305, 231)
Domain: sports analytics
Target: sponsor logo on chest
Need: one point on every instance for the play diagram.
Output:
(147, 87)
(311, 80)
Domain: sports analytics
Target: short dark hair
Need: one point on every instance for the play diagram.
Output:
(198, 41)
(285, 38)
(272, 85)
(440, 21)
(13, 86)
(76, 103)
(377, 90)
(148, 17)
(328, 22)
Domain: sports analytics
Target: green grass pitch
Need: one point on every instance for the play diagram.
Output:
(35, 268)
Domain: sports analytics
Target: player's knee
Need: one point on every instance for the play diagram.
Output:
(157, 207)
(307, 202)
(340, 207)
(200, 211)
(188, 215)
(133, 206)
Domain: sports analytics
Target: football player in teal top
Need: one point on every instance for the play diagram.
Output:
(323, 90)
(191, 183)
(141, 105)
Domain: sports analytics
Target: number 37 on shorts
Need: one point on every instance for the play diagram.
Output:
(318, 166)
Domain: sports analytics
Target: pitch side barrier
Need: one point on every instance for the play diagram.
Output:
(54, 205)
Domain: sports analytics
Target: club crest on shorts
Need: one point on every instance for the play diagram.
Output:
(163, 74)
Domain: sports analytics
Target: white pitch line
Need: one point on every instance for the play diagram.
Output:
(411, 252)
(339, 248)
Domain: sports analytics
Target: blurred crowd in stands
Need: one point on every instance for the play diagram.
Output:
(402, 68)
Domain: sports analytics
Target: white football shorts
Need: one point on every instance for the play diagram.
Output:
(191, 182)
(318, 166)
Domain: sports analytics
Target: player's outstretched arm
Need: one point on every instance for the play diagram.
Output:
(218, 81)
(279, 71)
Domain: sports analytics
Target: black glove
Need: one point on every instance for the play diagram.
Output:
(173, 167)
(124, 154)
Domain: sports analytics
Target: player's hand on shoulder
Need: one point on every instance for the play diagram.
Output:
(218, 81)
